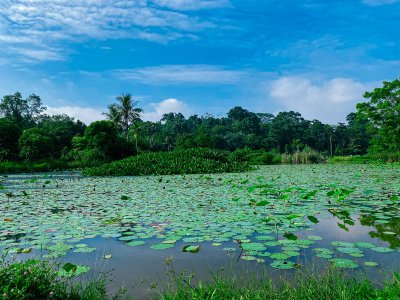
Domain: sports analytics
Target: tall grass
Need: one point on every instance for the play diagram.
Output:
(330, 286)
(367, 159)
(34, 279)
(307, 156)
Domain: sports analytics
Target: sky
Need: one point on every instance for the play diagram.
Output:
(316, 57)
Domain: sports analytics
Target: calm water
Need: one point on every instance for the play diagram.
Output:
(73, 206)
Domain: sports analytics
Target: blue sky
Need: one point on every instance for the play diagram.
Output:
(195, 57)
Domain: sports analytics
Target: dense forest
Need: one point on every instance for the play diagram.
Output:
(28, 134)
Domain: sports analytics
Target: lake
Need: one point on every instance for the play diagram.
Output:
(276, 219)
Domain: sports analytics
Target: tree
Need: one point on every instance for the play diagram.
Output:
(9, 136)
(61, 128)
(35, 143)
(358, 134)
(100, 143)
(24, 112)
(124, 113)
(382, 110)
(114, 115)
(287, 127)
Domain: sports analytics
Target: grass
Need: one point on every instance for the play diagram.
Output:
(330, 286)
(35, 279)
(366, 159)
(191, 161)
(40, 166)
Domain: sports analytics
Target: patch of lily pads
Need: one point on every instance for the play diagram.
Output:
(267, 214)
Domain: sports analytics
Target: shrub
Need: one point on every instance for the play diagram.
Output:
(191, 161)
(307, 156)
(254, 157)
(34, 144)
(35, 279)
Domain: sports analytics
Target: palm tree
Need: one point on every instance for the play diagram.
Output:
(113, 115)
(124, 113)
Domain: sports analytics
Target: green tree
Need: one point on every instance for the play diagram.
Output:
(9, 136)
(24, 112)
(35, 143)
(124, 113)
(359, 137)
(382, 110)
(61, 128)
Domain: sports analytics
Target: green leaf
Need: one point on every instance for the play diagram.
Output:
(191, 249)
(262, 203)
(290, 236)
(68, 267)
(313, 219)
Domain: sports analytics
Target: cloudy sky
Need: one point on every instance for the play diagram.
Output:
(316, 57)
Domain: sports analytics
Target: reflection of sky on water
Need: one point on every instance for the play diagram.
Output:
(135, 268)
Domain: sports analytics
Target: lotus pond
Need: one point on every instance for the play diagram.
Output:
(282, 218)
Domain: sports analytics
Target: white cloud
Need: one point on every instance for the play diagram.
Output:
(42, 24)
(379, 2)
(181, 74)
(329, 101)
(192, 4)
(86, 114)
(163, 107)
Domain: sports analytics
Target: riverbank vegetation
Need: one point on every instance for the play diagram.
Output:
(330, 285)
(30, 140)
(35, 279)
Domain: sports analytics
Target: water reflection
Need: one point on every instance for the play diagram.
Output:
(389, 232)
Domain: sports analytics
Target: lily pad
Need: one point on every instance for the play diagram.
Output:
(343, 263)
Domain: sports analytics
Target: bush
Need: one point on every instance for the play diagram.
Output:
(254, 157)
(39, 166)
(367, 159)
(34, 144)
(332, 285)
(192, 161)
(9, 136)
(35, 279)
(307, 156)
(100, 144)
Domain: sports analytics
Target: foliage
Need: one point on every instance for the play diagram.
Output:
(190, 161)
(100, 143)
(255, 157)
(382, 110)
(35, 143)
(38, 166)
(35, 279)
(332, 285)
(24, 112)
(124, 113)
(61, 129)
(9, 136)
(307, 156)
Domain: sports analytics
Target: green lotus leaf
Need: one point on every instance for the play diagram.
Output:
(85, 250)
(136, 243)
(248, 257)
(343, 263)
(279, 256)
(382, 249)
(191, 248)
(283, 265)
(161, 246)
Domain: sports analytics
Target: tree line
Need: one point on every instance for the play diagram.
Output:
(29, 134)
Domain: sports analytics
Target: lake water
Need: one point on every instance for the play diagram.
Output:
(277, 219)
